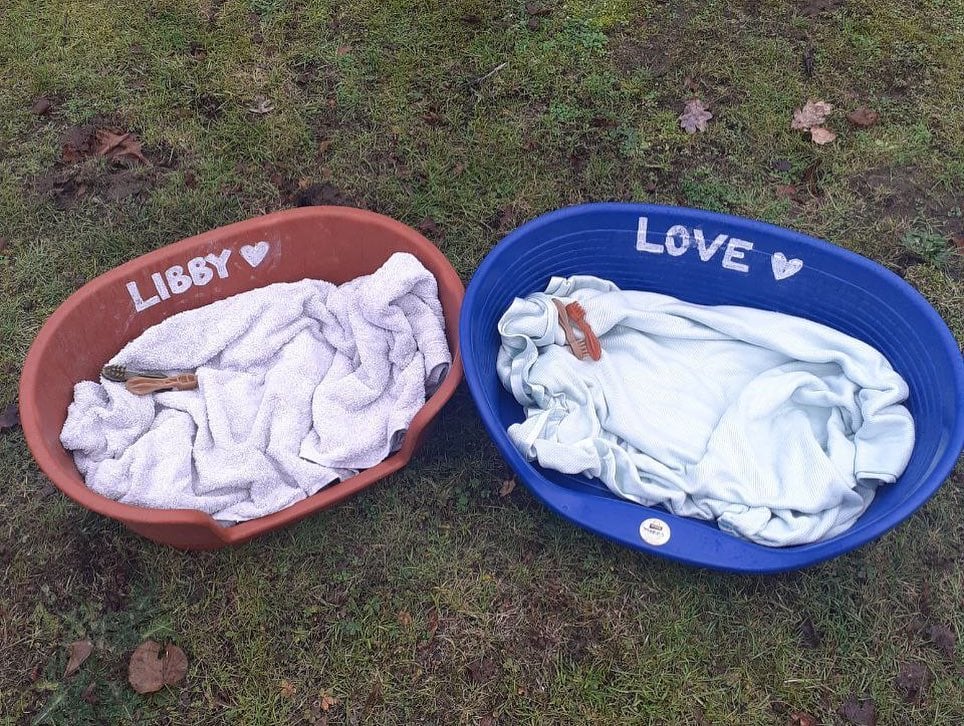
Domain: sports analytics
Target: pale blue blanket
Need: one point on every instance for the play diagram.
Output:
(778, 428)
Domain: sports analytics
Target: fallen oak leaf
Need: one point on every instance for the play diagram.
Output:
(147, 672)
(173, 665)
(508, 486)
(108, 140)
(863, 117)
(144, 671)
(10, 417)
(117, 145)
(862, 711)
(812, 114)
(80, 651)
(694, 116)
(820, 135)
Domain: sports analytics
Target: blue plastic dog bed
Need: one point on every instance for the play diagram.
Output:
(717, 259)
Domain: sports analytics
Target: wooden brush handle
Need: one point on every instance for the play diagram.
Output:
(143, 386)
(578, 315)
(576, 346)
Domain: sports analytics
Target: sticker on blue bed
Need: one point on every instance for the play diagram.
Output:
(731, 250)
(196, 272)
(654, 532)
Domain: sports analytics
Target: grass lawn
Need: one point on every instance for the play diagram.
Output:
(431, 598)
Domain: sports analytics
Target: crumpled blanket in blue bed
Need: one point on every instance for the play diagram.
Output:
(778, 428)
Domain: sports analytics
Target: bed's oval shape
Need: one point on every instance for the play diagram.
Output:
(718, 259)
(331, 243)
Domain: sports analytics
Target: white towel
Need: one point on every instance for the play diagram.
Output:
(300, 384)
(778, 428)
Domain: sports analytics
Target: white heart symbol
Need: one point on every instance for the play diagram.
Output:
(784, 268)
(254, 254)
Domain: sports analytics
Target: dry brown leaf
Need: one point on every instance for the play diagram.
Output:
(858, 711)
(144, 671)
(80, 651)
(288, 689)
(173, 665)
(694, 116)
(802, 718)
(147, 672)
(820, 135)
(10, 417)
(863, 117)
(328, 701)
(114, 144)
(405, 619)
(508, 486)
(812, 114)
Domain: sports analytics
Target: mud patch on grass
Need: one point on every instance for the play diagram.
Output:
(207, 106)
(816, 8)
(632, 55)
(102, 569)
(67, 187)
(905, 193)
(310, 193)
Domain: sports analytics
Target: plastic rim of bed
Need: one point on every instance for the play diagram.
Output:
(713, 259)
(331, 243)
